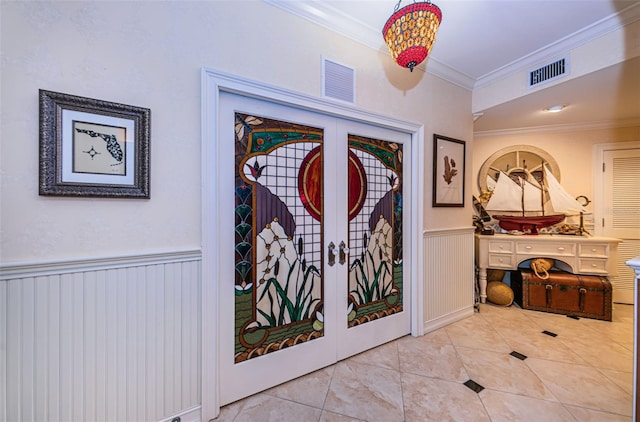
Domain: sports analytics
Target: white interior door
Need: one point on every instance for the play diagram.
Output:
(311, 259)
(621, 218)
(375, 267)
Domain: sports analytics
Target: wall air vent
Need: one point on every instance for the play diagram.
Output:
(338, 81)
(548, 72)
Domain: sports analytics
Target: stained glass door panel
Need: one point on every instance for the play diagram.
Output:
(375, 229)
(374, 299)
(278, 225)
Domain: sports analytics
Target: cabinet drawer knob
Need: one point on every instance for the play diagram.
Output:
(561, 249)
(593, 249)
(594, 265)
(527, 247)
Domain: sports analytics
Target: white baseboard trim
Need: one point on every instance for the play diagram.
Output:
(447, 319)
(72, 265)
(187, 415)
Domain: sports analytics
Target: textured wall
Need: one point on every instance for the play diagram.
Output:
(149, 54)
(572, 150)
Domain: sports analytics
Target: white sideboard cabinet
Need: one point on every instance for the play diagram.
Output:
(581, 254)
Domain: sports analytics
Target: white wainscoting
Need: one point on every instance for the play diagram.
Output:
(449, 273)
(108, 339)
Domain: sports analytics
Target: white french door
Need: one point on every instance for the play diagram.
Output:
(313, 211)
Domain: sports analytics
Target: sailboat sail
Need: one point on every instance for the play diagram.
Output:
(531, 199)
(526, 197)
(506, 195)
(560, 199)
(510, 196)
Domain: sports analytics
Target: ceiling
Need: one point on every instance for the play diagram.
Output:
(482, 41)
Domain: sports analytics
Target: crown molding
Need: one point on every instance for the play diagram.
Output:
(561, 47)
(573, 127)
(337, 21)
(441, 70)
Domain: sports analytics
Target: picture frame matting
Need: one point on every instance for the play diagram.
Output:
(93, 148)
(448, 171)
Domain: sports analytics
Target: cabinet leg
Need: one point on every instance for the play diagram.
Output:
(482, 284)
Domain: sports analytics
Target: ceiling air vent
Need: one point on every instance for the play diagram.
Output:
(549, 72)
(338, 81)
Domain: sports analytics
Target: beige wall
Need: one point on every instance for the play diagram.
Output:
(573, 150)
(150, 54)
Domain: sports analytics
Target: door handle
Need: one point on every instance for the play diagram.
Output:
(332, 254)
(344, 250)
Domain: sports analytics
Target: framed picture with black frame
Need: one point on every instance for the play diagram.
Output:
(93, 148)
(448, 171)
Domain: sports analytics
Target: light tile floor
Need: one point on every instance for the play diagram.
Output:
(582, 374)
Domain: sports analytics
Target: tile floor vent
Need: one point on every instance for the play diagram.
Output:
(548, 72)
(338, 81)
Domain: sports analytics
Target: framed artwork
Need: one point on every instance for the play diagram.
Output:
(93, 148)
(448, 171)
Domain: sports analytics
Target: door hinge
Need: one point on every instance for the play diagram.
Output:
(603, 167)
(603, 222)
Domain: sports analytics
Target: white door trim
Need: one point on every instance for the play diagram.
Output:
(598, 179)
(213, 82)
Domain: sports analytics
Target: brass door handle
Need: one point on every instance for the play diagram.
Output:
(332, 254)
(344, 250)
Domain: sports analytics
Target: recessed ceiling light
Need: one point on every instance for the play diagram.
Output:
(555, 108)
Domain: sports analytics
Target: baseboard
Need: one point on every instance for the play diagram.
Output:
(187, 415)
(447, 319)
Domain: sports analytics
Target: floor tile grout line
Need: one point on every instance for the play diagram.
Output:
(404, 412)
(591, 408)
(528, 366)
(333, 372)
(565, 407)
(554, 394)
(540, 321)
(601, 370)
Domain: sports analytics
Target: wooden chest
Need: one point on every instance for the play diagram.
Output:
(564, 293)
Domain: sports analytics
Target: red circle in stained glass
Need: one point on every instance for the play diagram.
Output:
(310, 183)
(357, 185)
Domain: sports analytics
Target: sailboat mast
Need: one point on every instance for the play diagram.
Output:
(522, 184)
(542, 188)
(522, 195)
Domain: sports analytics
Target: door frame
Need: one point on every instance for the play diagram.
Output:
(598, 179)
(599, 202)
(212, 84)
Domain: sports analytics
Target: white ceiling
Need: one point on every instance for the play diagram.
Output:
(482, 41)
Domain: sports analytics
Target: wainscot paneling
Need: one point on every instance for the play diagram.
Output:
(108, 339)
(449, 273)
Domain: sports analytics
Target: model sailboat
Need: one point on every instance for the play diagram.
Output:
(532, 206)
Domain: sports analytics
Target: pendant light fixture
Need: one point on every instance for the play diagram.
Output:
(411, 31)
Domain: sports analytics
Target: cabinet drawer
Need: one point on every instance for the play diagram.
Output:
(500, 261)
(500, 246)
(592, 266)
(598, 250)
(546, 249)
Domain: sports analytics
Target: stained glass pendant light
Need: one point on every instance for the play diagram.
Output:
(411, 31)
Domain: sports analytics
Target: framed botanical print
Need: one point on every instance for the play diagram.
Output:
(448, 171)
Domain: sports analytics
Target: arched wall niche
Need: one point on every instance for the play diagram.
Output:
(523, 160)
